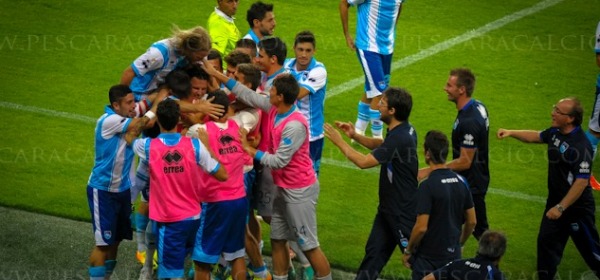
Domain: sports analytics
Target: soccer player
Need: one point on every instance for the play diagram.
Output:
(221, 26)
(445, 213)
(108, 188)
(247, 46)
(469, 142)
(233, 59)
(261, 20)
(175, 164)
(397, 157)
(294, 205)
(312, 77)
(223, 221)
(570, 209)
(374, 45)
(199, 81)
(484, 266)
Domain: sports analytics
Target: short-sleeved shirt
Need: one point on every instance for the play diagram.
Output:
(312, 106)
(398, 175)
(223, 32)
(477, 268)
(471, 130)
(376, 25)
(152, 67)
(569, 158)
(113, 160)
(445, 197)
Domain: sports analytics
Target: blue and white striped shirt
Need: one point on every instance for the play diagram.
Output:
(376, 26)
(113, 163)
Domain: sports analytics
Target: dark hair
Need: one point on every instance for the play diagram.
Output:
(258, 10)
(235, 58)
(221, 98)
(246, 44)
(492, 245)
(273, 46)
(305, 37)
(401, 100)
(251, 73)
(196, 72)
(287, 86)
(464, 77)
(118, 92)
(215, 54)
(168, 114)
(576, 111)
(436, 143)
(179, 83)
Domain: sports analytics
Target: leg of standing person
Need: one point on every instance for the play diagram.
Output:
(551, 241)
(585, 236)
(378, 250)
(480, 214)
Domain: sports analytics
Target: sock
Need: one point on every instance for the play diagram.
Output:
(328, 277)
(141, 221)
(376, 123)
(260, 272)
(593, 140)
(280, 277)
(110, 267)
(97, 272)
(362, 120)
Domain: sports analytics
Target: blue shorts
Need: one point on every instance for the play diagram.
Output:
(175, 242)
(110, 215)
(316, 151)
(222, 230)
(377, 68)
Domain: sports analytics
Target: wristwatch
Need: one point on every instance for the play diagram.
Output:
(560, 208)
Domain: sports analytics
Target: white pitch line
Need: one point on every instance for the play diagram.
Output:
(47, 112)
(440, 47)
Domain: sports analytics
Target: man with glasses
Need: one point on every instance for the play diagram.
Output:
(469, 142)
(570, 209)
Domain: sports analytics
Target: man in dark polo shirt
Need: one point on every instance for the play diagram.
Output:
(397, 156)
(570, 208)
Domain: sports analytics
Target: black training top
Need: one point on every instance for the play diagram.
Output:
(470, 130)
(445, 197)
(398, 176)
(569, 158)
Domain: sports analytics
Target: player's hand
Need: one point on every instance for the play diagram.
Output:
(243, 138)
(502, 133)
(208, 108)
(208, 67)
(346, 127)
(553, 214)
(350, 43)
(332, 134)
(406, 260)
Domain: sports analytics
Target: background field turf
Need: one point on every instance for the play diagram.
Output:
(60, 57)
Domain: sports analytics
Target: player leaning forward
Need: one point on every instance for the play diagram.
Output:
(294, 205)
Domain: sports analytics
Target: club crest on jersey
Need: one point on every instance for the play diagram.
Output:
(381, 85)
(563, 147)
(107, 234)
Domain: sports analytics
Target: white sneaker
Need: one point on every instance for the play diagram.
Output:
(145, 274)
(357, 131)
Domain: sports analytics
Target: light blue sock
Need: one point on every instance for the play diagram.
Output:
(376, 123)
(110, 266)
(97, 272)
(141, 222)
(362, 120)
